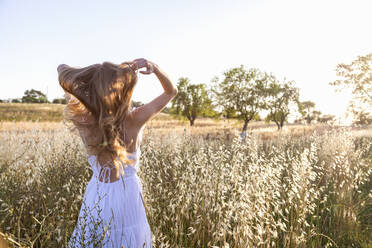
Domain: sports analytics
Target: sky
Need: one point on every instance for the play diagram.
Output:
(298, 40)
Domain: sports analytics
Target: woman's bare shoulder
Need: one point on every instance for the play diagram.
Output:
(132, 119)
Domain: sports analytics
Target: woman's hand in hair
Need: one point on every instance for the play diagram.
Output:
(142, 63)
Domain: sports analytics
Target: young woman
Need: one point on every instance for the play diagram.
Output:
(99, 105)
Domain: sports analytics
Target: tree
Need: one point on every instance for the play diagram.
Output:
(356, 76)
(225, 109)
(229, 112)
(34, 96)
(60, 101)
(136, 104)
(362, 118)
(329, 119)
(242, 93)
(282, 96)
(307, 109)
(166, 110)
(191, 101)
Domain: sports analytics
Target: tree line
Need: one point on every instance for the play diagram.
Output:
(241, 93)
(244, 93)
(36, 96)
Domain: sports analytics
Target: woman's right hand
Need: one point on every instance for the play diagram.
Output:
(142, 63)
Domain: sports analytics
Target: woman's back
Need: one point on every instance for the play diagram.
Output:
(115, 207)
(106, 170)
(112, 213)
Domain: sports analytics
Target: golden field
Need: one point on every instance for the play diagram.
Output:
(50, 116)
(304, 186)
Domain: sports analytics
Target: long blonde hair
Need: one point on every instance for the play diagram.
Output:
(99, 98)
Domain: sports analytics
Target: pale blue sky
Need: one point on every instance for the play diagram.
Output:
(300, 40)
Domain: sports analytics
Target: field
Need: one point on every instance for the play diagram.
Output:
(306, 186)
(31, 112)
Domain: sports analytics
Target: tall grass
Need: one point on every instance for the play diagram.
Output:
(315, 191)
(31, 112)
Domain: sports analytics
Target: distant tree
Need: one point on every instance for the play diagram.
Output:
(258, 117)
(307, 110)
(210, 105)
(356, 76)
(1, 100)
(136, 104)
(166, 110)
(242, 93)
(191, 101)
(282, 96)
(34, 96)
(316, 115)
(362, 118)
(299, 121)
(329, 119)
(60, 101)
(229, 112)
(15, 100)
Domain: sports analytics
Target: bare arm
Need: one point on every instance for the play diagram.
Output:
(146, 112)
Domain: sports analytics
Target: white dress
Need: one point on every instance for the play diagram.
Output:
(112, 213)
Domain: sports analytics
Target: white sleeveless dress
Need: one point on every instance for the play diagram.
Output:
(112, 213)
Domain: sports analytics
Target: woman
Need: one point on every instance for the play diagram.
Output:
(99, 105)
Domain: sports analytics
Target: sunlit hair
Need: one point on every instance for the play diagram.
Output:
(99, 99)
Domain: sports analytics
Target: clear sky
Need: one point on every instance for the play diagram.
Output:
(296, 39)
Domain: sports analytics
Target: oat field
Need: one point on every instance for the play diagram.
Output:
(31, 112)
(203, 186)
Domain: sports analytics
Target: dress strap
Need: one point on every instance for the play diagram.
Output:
(105, 174)
(84, 139)
(124, 132)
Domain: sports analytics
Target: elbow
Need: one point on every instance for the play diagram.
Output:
(175, 91)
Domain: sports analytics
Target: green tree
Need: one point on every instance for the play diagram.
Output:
(242, 93)
(60, 101)
(362, 118)
(329, 119)
(227, 110)
(307, 110)
(191, 101)
(282, 97)
(357, 76)
(34, 96)
(136, 104)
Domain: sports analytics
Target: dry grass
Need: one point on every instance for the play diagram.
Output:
(274, 189)
(31, 112)
(49, 116)
(164, 124)
(3, 243)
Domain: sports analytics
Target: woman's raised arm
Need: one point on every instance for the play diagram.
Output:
(145, 112)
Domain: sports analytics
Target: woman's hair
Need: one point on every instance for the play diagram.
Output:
(99, 99)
